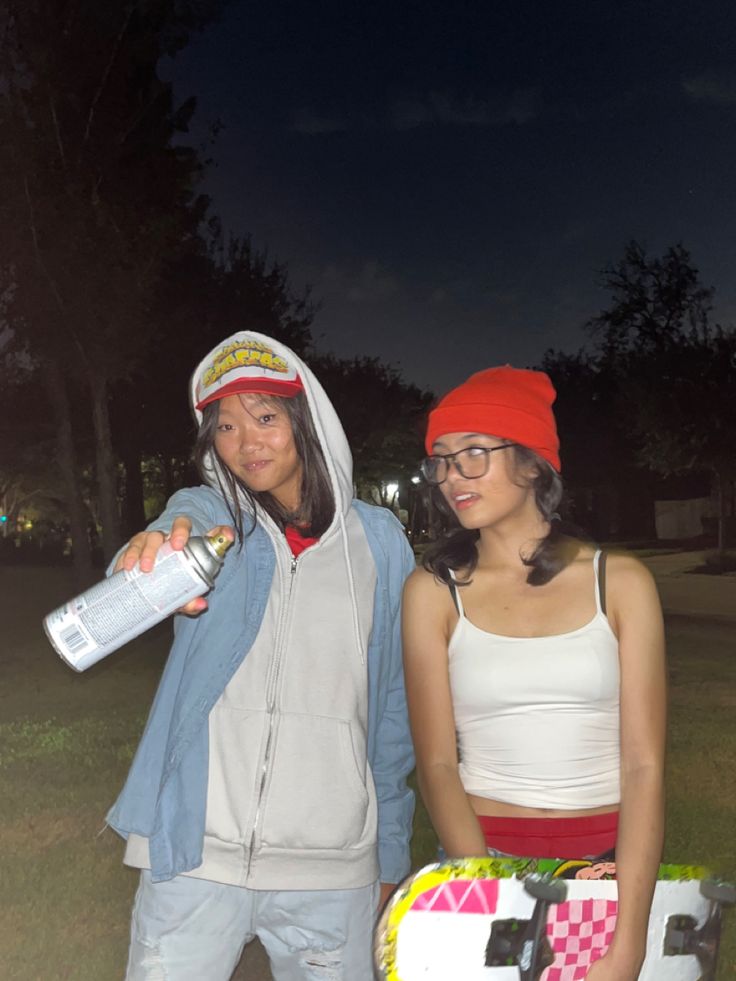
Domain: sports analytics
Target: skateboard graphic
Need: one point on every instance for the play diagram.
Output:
(517, 919)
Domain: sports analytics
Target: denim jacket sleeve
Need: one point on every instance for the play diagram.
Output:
(390, 749)
(204, 506)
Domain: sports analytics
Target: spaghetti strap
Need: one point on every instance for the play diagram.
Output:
(455, 593)
(599, 566)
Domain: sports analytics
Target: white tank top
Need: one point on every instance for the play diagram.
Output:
(537, 718)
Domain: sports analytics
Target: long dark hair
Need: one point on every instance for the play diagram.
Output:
(455, 546)
(316, 499)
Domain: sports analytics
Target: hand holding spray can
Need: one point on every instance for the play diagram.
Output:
(108, 615)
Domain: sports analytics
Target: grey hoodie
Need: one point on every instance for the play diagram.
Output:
(291, 802)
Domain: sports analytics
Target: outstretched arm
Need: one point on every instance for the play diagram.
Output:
(635, 614)
(175, 525)
(427, 615)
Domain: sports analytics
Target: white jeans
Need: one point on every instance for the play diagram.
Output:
(188, 929)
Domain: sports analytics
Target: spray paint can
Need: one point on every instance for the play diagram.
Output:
(108, 615)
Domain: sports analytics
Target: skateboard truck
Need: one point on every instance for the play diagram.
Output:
(524, 943)
(683, 936)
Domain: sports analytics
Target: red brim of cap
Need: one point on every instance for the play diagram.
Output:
(261, 386)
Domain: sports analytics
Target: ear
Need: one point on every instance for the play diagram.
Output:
(528, 471)
(523, 469)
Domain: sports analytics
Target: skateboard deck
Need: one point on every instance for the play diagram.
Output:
(500, 919)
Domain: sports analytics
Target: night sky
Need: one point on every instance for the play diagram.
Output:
(451, 177)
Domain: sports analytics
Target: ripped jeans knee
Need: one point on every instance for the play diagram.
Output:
(323, 965)
(146, 962)
(319, 935)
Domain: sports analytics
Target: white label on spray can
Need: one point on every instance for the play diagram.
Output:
(116, 610)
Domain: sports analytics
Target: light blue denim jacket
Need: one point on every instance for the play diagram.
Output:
(164, 798)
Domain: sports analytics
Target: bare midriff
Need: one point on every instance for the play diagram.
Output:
(496, 808)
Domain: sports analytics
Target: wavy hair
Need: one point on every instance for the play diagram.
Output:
(316, 499)
(455, 546)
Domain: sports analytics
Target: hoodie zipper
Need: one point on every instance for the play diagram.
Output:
(270, 705)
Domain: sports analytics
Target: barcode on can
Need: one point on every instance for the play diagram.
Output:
(73, 639)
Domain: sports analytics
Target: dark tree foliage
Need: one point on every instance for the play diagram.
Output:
(251, 291)
(26, 439)
(685, 413)
(383, 418)
(206, 294)
(658, 393)
(96, 197)
(656, 304)
(605, 486)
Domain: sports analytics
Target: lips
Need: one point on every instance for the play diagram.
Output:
(255, 466)
(462, 501)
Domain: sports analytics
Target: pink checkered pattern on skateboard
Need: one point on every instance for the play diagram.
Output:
(580, 932)
(460, 896)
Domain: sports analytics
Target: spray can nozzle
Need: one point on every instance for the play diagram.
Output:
(219, 544)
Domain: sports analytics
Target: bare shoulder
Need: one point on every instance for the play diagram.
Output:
(631, 595)
(422, 585)
(624, 572)
(428, 602)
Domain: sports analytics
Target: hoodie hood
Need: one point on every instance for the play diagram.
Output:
(250, 353)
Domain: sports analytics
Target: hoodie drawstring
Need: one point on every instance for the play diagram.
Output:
(351, 582)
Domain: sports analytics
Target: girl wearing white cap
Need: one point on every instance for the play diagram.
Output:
(536, 685)
(268, 794)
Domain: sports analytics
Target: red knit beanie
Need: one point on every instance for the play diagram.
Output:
(511, 403)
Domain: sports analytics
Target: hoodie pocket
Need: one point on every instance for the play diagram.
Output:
(236, 738)
(317, 795)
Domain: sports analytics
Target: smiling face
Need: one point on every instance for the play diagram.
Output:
(501, 494)
(254, 439)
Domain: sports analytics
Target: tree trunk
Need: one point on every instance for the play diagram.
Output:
(721, 514)
(134, 515)
(66, 458)
(167, 465)
(107, 483)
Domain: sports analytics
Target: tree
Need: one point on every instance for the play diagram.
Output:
(688, 422)
(28, 475)
(383, 418)
(655, 304)
(595, 452)
(212, 290)
(675, 372)
(96, 197)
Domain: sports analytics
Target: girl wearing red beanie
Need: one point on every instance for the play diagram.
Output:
(534, 668)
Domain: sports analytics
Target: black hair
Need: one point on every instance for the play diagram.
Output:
(316, 499)
(455, 547)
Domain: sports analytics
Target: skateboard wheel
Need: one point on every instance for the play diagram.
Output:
(680, 935)
(548, 890)
(719, 892)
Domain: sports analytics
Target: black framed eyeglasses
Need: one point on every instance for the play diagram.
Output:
(473, 461)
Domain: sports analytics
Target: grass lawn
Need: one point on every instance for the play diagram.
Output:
(66, 741)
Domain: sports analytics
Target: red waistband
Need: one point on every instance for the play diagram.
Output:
(566, 838)
(558, 827)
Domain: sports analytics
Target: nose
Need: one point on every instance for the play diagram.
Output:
(250, 437)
